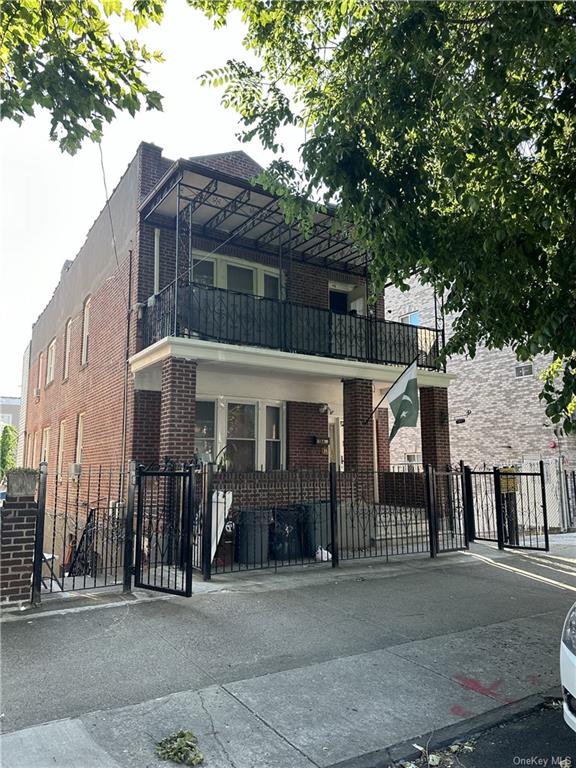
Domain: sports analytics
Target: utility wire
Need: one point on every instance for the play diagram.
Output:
(110, 216)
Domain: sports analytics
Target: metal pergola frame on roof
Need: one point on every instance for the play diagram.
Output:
(230, 209)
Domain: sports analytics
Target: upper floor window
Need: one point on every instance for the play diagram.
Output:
(85, 331)
(67, 341)
(50, 361)
(524, 370)
(40, 369)
(411, 318)
(236, 275)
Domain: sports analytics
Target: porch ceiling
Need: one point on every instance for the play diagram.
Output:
(228, 358)
(232, 209)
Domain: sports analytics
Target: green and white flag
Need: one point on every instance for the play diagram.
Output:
(402, 398)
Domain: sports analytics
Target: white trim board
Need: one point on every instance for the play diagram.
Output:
(263, 360)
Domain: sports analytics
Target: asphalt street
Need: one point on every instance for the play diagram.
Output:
(314, 667)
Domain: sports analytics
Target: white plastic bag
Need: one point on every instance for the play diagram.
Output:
(322, 555)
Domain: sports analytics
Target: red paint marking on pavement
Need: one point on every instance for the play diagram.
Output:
(475, 685)
(460, 711)
(534, 679)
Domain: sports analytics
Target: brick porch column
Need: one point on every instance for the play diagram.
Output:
(177, 409)
(17, 530)
(434, 426)
(358, 436)
(382, 442)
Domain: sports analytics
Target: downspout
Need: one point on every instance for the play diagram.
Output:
(126, 366)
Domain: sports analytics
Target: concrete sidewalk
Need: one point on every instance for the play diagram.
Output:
(286, 671)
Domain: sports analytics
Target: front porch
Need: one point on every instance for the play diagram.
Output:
(253, 409)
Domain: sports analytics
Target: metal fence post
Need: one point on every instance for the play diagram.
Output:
(467, 495)
(188, 530)
(544, 507)
(334, 516)
(207, 493)
(430, 508)
(39, 535)
(499, 512)
(129, 529)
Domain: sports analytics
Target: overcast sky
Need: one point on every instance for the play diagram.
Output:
(48, 200)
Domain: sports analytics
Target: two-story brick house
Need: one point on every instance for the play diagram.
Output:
(203, 323)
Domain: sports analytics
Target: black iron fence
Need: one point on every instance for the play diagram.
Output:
(81, 530)
(570, 487)
(105, 526)
(231, 317)
(258, 520)
(509, 507)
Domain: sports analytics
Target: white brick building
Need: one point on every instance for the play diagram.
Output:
(507, 422)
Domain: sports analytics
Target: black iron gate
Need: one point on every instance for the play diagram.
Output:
(446, 502)
(164, 530)
(509, 507)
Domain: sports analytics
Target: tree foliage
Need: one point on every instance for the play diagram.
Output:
(446, 133)
(8, 442)
(71, 58)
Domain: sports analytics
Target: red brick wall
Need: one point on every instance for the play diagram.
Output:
(304, 422)
(146, 427)
(382, 441)
(18, 518)
(95, 389)
(358, 436)
(178, 409)
(234, 163)
(434, 426)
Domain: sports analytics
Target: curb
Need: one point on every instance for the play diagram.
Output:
(444, 737)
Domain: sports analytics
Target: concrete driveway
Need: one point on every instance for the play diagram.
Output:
(305, 668)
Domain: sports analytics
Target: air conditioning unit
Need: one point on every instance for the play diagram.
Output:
(36, 391)
(75, 471)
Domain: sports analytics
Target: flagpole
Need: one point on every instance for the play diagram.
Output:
(388, 390)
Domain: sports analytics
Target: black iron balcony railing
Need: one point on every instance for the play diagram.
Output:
(239, 318)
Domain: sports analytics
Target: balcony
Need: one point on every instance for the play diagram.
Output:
(192, 310)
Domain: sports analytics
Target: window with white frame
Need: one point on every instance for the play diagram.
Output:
(413, 459)
(273, 442)
(235, 274)
(50, 361)
(67, 341)
(205, 434)
(60, 459)
(524, 370)
(40, 368)
(85, 331)
(30, 453)
(244, 435)
(34, 446)
(79, 438)
(45, 449)
(241, 437)
(411, 318)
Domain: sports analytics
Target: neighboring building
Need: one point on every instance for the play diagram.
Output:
(20, 450)
(205, 324)
(10, 411)
(507, 422)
